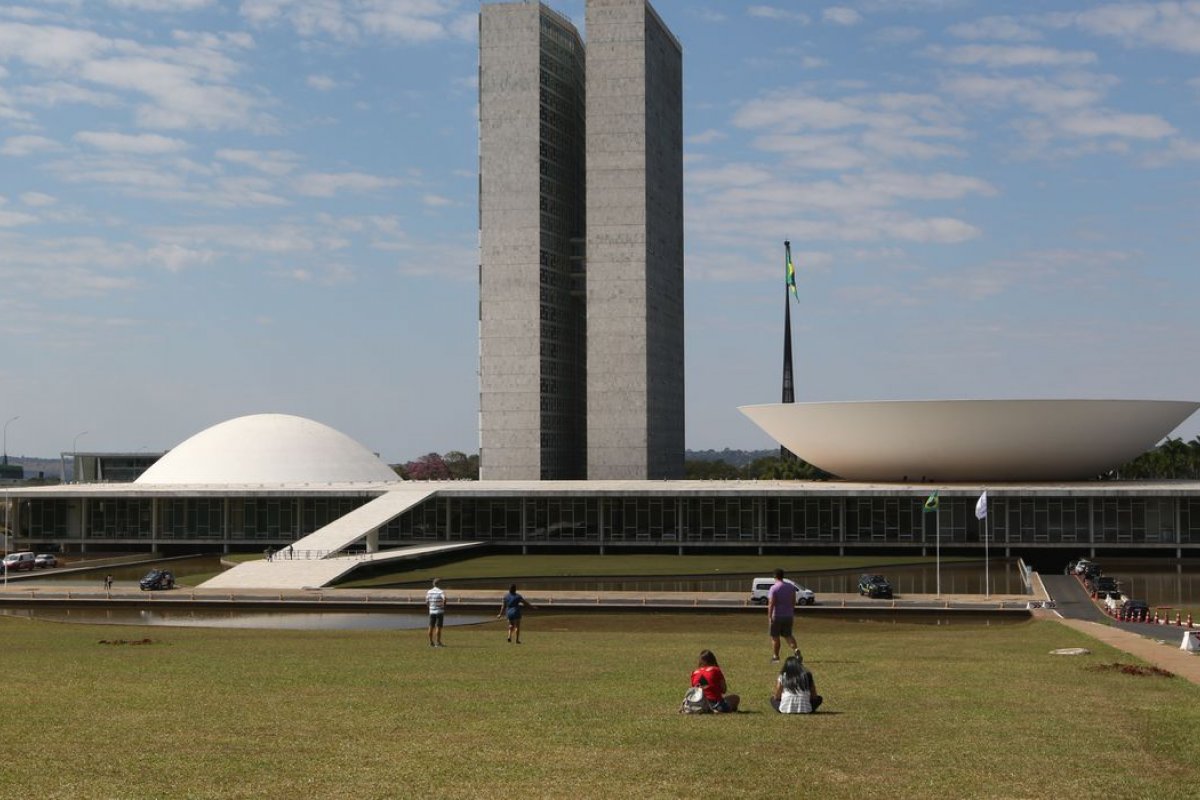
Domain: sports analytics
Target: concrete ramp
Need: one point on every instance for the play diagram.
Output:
(362, 521)
(301, 573)
(317, 560)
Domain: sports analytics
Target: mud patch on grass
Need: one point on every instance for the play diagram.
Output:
(1133, 669)
(127, 641)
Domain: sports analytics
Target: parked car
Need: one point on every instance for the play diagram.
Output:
(157, 579)
(1104, 584)
(760, 587)
(1113, 600)
(1135, 608)
(16, 562)
(43, 560)
(874, 586)
(1079, 567)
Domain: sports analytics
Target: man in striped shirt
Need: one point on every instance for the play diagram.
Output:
(436, 599)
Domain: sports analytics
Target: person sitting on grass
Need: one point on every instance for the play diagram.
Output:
(709, 676)
(795, 689)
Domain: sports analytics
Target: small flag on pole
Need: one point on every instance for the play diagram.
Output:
(981, 506)
(790, 270)
(932, 503)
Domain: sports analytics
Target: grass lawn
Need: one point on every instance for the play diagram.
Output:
(584, 708)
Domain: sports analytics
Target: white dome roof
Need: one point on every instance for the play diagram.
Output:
(268, 449)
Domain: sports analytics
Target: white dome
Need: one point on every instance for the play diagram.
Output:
(268, 449)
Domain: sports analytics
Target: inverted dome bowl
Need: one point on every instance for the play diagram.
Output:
(970, 440)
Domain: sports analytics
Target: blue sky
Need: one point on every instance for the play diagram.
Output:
(210, 209)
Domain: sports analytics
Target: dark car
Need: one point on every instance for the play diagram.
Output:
(157, 579)
(1135, 609)
(874, 586)
(1104, 584)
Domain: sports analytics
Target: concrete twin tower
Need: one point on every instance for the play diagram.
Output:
(581, 239)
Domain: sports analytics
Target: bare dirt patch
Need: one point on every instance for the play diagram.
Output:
(127, 641)
(1133, 669)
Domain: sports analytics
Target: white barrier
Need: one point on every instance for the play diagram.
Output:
(1191, 641)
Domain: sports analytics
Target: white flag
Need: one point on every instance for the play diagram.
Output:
(981, 506)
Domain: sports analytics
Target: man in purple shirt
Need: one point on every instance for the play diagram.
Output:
(781, 611)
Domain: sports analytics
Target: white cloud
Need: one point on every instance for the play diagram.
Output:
(1005, 56)
(11, 219)
(183, 86)
(38, 199)
(1000, 28)
(403, 20)
(897, 35)
(28, 145)
(179, 100)
(1170, 25)
(322, 83)
(271, 162)
(436, 200)
(840, 15)
(707, 137)
(1111, 123)
(160, 5)
(176, 258)
(776, 13)
(327, 184)
(142, 143)
(58, 93)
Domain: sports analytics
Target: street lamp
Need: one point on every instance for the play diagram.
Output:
(14, 419)
(75, 454)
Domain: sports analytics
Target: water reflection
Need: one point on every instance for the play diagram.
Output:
(1170, 584)
(1003, 578)
(272, 620)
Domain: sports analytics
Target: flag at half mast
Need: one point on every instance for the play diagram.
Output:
(790, 270)
(931, 504)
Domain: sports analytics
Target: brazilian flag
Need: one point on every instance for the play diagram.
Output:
(790, 270)
(931, 504)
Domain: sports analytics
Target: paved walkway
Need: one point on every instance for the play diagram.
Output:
(1156, 644)
(1165, 654)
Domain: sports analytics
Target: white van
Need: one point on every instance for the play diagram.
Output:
(15, 562)
(761, 587)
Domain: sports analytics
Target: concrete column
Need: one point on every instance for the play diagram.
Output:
(1091, 527)
(154, 523)
(373, 541)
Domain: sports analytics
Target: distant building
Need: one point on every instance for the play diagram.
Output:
(532, 356)
(109, 467)
(581, 244)
(635, 381)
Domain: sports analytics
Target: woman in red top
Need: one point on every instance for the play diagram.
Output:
(709, 675)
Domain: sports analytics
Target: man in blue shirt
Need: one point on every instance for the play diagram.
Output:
(781, 612)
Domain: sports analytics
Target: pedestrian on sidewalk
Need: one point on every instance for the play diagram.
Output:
(781, 614)
(108, 583)
(436, 599)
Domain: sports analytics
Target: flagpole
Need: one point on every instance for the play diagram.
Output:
(987, 581)
(789, 391)
(937, 519)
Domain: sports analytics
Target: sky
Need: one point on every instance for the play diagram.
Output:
(212, 208)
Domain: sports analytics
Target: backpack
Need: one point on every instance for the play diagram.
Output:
(694, 702)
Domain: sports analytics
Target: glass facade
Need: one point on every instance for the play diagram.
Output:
(592, 518)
